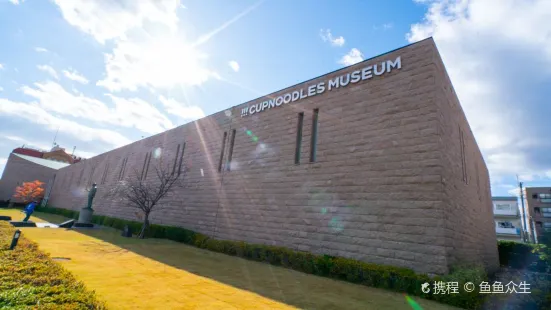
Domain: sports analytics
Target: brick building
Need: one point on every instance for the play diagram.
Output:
(538, 209)
(375, 162)
(26, 168)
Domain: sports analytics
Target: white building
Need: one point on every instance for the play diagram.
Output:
(507, 218)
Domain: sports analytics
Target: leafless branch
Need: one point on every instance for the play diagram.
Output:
(146, 194)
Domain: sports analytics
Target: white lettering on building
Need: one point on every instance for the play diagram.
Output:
(316, 89)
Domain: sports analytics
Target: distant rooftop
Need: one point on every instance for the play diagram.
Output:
(56, 152)
(504, 198)
(28, 151)
(43, 162)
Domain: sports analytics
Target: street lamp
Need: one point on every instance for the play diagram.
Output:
(15, 238)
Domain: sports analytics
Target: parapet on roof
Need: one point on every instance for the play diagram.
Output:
(504, 198)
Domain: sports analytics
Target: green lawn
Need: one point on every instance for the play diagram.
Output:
(173, 275)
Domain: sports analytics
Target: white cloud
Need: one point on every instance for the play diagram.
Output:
(498, 55)
(134, 112)
(85, 154)
(204, 38)
(75, 76)
(327, 36)
(26, 142)
(149, 50)
(514, 192)
(16, 2)
(161, 62)
(15, 138)
(40, 50)
(179, 109)
(51, 71)
(53, 97)
(3, 162)
(353, 57)
(35, 114)
(1, 66)
(384, 26)
(106, 20)
(1, 88)
(234, 65)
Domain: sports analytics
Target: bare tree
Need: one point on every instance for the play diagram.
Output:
(146, 195)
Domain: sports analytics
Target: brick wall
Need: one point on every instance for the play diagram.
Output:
(467, 204)
(534, 219)
(375, 192)
(19, 170)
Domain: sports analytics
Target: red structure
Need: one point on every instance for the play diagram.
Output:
(56, 153)
(28, 152)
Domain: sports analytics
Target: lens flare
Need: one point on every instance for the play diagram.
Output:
(250, 134)
(79, 192)
(336, 224)
(414, 305)
(157, 153)
(234, 165)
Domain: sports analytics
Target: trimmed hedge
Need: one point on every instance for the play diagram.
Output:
(63, 212)
(30, 279)
(379, 276)
(518, 255)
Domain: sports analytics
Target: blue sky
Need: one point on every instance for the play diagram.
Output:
(107, 72)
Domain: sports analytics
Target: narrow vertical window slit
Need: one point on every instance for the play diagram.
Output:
(314, 141)
(463, 160)
(147, 165)
(176, 159)
(299, 137)
(104, 177)
(91, 176)
(230, 154)
(222, 151)
(143, 166)
(181, 158)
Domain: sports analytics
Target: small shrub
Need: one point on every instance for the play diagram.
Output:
(118, 224)
(98, 219)
(523, 256)
(63, 212)
(28, 278)
(108, 221)
(323, 265)
(463, 274)
(200, 241)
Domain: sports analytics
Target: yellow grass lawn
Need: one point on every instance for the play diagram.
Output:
(129, 273)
